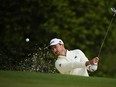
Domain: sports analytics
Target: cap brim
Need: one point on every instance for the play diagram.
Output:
(49, 47)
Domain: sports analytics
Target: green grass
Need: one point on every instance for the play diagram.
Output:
(34, 79)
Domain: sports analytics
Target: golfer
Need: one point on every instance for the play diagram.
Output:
(73, 62)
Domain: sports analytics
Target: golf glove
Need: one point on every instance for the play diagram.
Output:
(92, 68)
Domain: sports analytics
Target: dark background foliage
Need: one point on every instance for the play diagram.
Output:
(80, 24)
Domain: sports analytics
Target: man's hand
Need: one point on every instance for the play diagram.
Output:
(92, 62)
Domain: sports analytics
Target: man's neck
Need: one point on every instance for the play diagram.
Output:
(64, 52)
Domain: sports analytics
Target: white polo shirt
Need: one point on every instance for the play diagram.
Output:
(73, 63)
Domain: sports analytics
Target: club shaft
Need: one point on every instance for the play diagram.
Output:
(106, 35)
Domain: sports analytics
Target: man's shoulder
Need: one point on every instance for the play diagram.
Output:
(60, 59)
(75, 50)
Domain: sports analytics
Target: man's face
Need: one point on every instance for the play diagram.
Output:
(57, 49)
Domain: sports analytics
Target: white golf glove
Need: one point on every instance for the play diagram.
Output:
(92, 68)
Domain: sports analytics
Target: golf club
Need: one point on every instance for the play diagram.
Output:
(114, 10)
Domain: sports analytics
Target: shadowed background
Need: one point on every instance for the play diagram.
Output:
(80, 24)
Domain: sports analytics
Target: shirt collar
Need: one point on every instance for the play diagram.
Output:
(67, 53)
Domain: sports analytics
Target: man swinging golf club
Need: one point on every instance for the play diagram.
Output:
(73, 62)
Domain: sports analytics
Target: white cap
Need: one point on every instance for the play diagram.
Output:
(56, 41)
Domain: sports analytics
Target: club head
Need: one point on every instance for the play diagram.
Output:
(113, 9)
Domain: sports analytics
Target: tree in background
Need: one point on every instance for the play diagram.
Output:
(79, 23)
